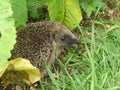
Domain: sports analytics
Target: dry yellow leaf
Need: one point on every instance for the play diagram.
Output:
(19, 71)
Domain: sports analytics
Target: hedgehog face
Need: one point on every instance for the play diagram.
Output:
(64, 37)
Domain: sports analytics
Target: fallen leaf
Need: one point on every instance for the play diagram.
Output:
(19, 71)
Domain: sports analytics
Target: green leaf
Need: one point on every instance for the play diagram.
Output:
(7, 30)
(34, 8)
(92, 5)
(101, 4)
(56, 9)
(20, 12)
(59, 11)
(43, 2)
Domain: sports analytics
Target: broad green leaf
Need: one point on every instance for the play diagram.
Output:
(43, 2)
(56, 9)
(74, 8)
(7, 30)
(59, 11)
(19, 12)
(34, 8)
(19, 70)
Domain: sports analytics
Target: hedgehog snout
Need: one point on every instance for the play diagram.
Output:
(77, 41)
(73, 41)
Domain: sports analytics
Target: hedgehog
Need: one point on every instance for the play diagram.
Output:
(42, 42)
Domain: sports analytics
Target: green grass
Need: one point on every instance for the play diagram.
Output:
(96, 66)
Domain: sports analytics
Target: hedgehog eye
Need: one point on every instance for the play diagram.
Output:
(63, 38)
